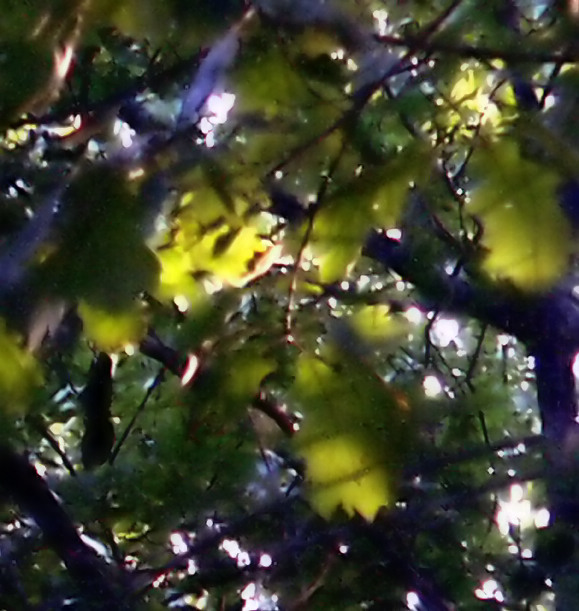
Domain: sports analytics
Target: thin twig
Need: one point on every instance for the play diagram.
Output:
(158, 379)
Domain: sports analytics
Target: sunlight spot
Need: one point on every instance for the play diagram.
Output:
(414, 315)
(219, 107)
(413, 601)
(158, 582)
(381, 19)
(517, 511)
(190, 370)
(527, 553)
(488, 589)
(432, 386)
(265, 561)
(40, 469)
(231, 548)
(192, 567)
(136, 173)
(343, 549)
(63, 60)
(178, 543)
(243, 560)
(394, 234)
(542, 518)
(444, 331)
(278, 175)
(181, 302)
(503, 339)
(549, 101)
(400, 286)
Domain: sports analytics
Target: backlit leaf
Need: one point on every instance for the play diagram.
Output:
(525, 230)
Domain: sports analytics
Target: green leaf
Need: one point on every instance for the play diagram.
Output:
(353, 436)
(525, 230)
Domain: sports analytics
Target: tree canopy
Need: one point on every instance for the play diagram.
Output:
(288, 305)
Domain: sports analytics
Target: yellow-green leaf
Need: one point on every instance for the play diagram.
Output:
(354, 435)
(112, 331)
(19, 373)
(525, 230)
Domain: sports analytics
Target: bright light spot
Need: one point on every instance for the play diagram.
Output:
(178, 543)
(231, 548)
(192, 567)
(527, 553)
(444, 331)
(190, 369)
(63, 59)
(136, 173)
(525, 386)
(249, 591)
(159, 581)
(503, 339)
(243, 559)
(181, 302)
(40, 469)
(278, 175)
(205, 125)
(344, 285)
(576, 366)
(394, 234)
(212, 285)
(489, 589)
(517, 493)
(210, 140)
(381, 19)
(513, 549)
(219, 107)
(265, 561)
(517, 511)
(413, 601)
(542, 518)
(549, 101)
(351, 64)
(343, 549)
(400, 286)
(432, 386)
(338, 54)
(124, 133)
(414, 315)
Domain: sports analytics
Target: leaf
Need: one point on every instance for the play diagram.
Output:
(525, 230)
(112, 331)
(19, 375)
(101, 257)
(353, 436)
(374, 199)
(228, 381)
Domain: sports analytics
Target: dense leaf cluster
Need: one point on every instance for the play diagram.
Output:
(288, 315)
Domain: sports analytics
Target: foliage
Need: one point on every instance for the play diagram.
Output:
(287, 306)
